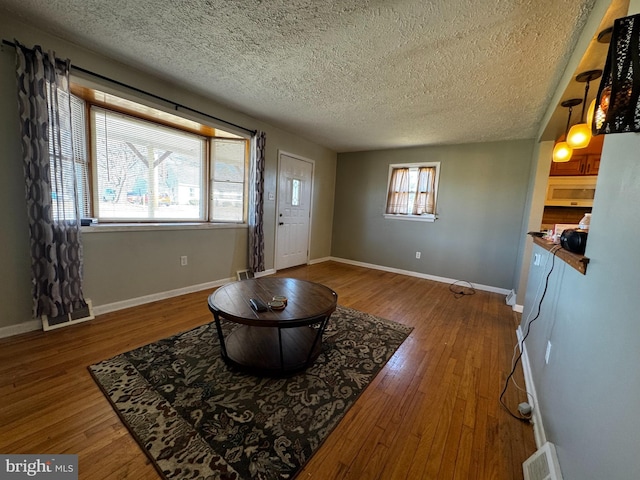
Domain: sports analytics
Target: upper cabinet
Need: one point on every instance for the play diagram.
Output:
(587, 164)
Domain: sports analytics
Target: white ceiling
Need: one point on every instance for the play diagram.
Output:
(347, 74)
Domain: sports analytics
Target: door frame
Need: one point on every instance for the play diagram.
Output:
(313, 177)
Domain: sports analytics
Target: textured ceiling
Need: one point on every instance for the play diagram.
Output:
(348, 74)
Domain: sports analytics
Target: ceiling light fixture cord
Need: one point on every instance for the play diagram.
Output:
(587, 77)
(566, 130)
(584, 102)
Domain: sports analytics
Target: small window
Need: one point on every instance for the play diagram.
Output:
(412, 191)
(295, 192)
(228, 160)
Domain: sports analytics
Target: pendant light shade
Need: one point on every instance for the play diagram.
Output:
(600, 111)
(618, 99)
(591, 112)
(580, 134)
(562, 151)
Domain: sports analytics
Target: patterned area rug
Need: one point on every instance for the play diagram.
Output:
(197, 418)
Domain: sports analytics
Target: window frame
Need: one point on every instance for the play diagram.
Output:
(139, 111)
(425, 217)
(211, 179)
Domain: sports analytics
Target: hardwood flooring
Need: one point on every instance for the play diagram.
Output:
(431, 413)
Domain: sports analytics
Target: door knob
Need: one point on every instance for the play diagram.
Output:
(281, 223)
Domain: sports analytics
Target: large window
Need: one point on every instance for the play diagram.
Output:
(150, 166)
(145, 171)
(412, 191)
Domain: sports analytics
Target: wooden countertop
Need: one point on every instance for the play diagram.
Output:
(579, 262)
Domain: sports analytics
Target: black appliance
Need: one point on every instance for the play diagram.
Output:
(574, 240)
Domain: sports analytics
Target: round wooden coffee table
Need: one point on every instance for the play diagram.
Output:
(273, 342)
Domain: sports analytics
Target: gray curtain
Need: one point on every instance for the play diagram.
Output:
(256, 204)
(50, 182)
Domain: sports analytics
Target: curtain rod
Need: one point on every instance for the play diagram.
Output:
(152, 95)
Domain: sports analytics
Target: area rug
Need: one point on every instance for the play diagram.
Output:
(197, 418)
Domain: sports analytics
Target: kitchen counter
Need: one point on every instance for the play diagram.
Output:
(579, 262)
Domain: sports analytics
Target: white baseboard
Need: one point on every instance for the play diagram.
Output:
(271, 271)
(538, 427)
(486, 288)
(131, 302)
(17, 329)
(134, 302)
(518, 308)
(154, 297)
(319, 260)
(33, 325)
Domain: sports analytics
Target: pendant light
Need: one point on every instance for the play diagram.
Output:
(618, 99)
(562, 151)
(600, 110)
(596, 113)
(591, 112)
(580, 134)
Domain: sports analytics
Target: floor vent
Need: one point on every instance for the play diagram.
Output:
(511, 298)
(543, 465)
(82, 315)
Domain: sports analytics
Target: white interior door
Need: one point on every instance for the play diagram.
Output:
(294, 210)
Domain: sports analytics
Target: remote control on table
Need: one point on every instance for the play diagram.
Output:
(258, 305)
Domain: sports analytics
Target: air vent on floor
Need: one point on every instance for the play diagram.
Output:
(81, 315)
(543, 465)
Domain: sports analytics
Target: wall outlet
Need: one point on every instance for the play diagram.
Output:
(418, 254)
(536, 259)
(547, 354)
(183, 260)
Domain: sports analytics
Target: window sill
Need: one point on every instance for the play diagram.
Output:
(413, 218)
(142, 227)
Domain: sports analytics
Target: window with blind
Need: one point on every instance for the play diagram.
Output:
(412, 191)
(73, 163)
(147, 171)
(228, 160)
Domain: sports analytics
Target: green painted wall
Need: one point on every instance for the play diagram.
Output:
(481, 197)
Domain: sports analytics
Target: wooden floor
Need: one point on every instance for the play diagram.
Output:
(431, 413)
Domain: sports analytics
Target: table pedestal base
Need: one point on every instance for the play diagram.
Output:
(272, 350)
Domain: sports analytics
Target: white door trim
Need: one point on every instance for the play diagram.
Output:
(313, 173)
